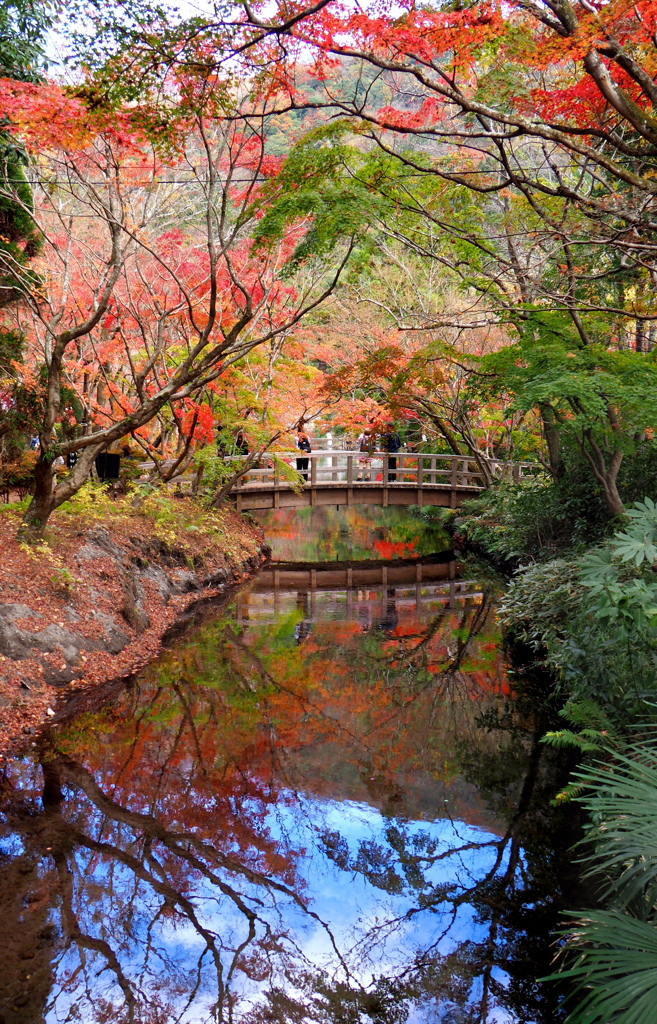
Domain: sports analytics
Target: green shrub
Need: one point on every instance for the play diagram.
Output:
(535, 520)
(593, 619)
(638, 473)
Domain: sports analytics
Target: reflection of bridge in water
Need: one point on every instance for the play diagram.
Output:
(354, 478)
(331, 575)
(420, 586)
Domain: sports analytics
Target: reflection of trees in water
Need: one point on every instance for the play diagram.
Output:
(359, 531)
(29, 942)
(152, 880)
(121, 879)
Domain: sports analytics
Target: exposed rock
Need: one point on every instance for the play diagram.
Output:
(153, 574)
(134, 608)
(116, 639)
(156, 567)
(88, 552)
(15, 642)
(158, 550)
(55, 637)
(55, 676)
(184, 581)
(100, 537)
(18, 611)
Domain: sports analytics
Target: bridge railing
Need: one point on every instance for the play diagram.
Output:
(360, 469)
(402, 469)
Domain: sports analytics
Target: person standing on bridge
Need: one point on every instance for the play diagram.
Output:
(303, 444)
(366, 443)
(391, 443)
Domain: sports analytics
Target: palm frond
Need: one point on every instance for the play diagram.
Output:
(615, 969)
(611, 955)
(621, 798)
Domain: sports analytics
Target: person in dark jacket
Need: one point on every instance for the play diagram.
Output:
(391, 443)
(303, 444)
(241, 443)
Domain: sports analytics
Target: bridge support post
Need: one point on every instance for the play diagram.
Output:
(420, 468)
(350, 479)
(386, 459)
(452, 482)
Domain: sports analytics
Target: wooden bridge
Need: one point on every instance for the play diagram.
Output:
(353, 478)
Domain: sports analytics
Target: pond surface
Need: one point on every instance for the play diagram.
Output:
(321, 806)
(329, 534)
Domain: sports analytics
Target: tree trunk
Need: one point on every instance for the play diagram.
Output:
(48, 495)
(43, 501)
(605, 474)
(447, 433)
(613, 499)
(552, 435)
(640, 336)
(225, 488)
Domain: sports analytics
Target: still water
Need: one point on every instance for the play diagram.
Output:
(324, 805)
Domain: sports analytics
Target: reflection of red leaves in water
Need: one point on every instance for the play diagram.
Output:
(214, 715)
(342, 631)
(394, 549)
(409, 627)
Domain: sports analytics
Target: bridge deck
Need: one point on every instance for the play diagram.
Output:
(351, 478)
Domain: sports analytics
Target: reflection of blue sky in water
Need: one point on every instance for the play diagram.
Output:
(368, 925)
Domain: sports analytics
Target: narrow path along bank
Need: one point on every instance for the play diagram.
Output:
(92, 603)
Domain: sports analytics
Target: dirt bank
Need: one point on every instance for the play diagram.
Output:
(92, 603)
